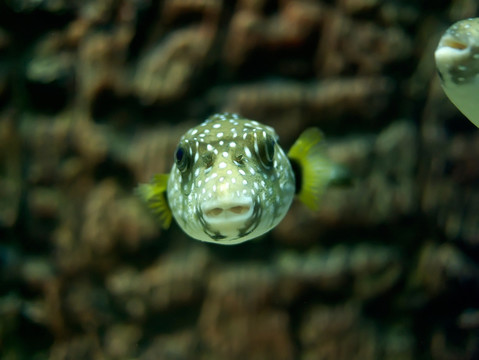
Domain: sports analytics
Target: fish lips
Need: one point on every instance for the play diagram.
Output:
(228, 227)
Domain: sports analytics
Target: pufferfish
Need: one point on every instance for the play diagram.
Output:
(232, 182)
(457, 61)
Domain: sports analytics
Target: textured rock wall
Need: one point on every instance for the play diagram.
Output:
(93, 98)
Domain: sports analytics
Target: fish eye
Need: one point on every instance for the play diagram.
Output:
(266, 151)
(181, 158)
(269, 149)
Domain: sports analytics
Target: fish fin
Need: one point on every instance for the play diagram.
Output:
(153, 194)
(312, 169)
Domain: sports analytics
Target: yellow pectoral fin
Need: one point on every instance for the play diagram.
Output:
(154, 195)
(315, 169)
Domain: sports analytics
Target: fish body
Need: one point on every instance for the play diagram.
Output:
(457, 61)
(232, 182)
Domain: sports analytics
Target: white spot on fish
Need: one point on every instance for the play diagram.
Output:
(222, 165)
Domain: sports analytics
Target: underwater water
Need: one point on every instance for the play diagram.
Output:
(94, 97)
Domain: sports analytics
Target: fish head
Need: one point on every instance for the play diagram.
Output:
(231, 181)
(457, 54)
(457, 61)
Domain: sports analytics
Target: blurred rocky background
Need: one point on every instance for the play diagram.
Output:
(94, 96)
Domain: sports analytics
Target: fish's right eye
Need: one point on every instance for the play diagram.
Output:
(181, 158)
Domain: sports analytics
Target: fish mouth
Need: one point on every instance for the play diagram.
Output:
(451, 49)
(454, 43)
(228, 221)
(219, 212)
(456, 60)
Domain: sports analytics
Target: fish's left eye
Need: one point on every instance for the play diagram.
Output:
(181, 158)
(266, 151)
